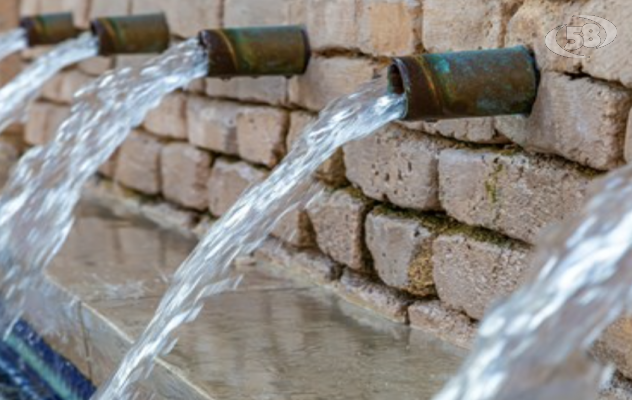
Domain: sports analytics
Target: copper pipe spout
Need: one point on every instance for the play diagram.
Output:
(255, 52)
(132, 34)
(48, 29)
(466, 84)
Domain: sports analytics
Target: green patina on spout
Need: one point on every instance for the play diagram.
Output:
(282, 50)
(135, 34)
(466, 84)
(49, 29)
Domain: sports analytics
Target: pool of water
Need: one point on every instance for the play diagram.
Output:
(276, 337)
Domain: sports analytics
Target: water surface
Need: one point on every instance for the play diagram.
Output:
(207, 271)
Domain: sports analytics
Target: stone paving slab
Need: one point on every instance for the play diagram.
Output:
(274, 338)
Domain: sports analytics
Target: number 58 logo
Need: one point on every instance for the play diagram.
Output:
(577, 37)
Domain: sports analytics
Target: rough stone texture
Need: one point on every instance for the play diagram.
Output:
(396, 165)
(106, 193)
(311, 262)
(619, 388)
(63, 86)
(10, 11)
(169, 119)
(106, 8)
(96, 66)
(516, 194)
(610, 62)
(213, 124)
(185, 171)
(132, 60)
(261, 133)
(9, 19)
(332, 172)
(627, 149)
(530, 25)
(401, 248)
(52, 88)
(317, 266)
(36, 128)
(590, 132)
(108, 169)
(614, 346)
(147, 6)
(333, 24)
(43, 121)
(390, 27)
(295, 228)
(338, 220)
(138, 165)
(266, 89)
(228, 182)
(187, 21)
(455, 25)
(239, 13)
(364, 292)
(203, 226)
(475, 130)
(28, 7)
(329, 78)
(473, 272)
(536, 18)
(447, 324)
(197, 86)
(72, 82)
(170, 217)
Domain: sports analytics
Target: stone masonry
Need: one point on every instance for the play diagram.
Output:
(427, 223)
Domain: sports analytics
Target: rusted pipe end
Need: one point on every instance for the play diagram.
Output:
(256, 52)
(135, 34)
(465, 84)
(48, 29)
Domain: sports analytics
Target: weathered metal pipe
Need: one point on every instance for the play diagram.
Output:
(255, 52)
(132, 34)
(466, 84)
(48, 29)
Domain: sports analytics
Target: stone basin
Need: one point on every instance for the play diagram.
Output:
(276, 337)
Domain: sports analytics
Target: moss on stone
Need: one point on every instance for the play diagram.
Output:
(356, 194)
(480, 234)
(433, 221)
(491, 184)
(420, 273)
(587, 171)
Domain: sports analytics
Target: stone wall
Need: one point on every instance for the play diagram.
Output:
(428, 223)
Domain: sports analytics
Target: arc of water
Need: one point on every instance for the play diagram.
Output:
(12, 42)
(240, 230)
(36, 206)
(17, 95)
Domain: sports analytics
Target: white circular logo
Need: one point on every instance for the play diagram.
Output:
(578, 37)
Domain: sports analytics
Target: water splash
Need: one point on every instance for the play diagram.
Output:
(249, 221)
(18, 94)
(12, 42)
(36, 206)
(536, 345)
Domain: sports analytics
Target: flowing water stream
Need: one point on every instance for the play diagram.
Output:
(36, 206)
(18, 94)
(535, 346)
(12, 42)
(250, 220)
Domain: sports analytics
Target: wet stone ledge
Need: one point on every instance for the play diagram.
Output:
(274, 319)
